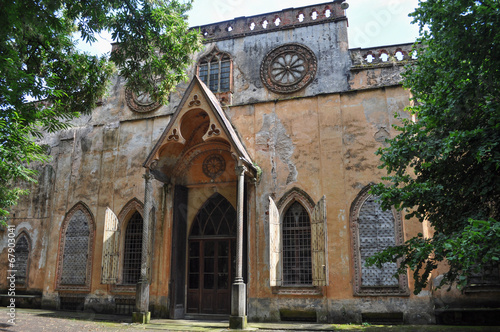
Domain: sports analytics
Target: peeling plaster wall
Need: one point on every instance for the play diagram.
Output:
(321, 139)
(324, 145)
(97, 164)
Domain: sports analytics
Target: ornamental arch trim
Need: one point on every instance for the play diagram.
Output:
(400, 288)
(79, 213)
(296, 195)
(128, 209)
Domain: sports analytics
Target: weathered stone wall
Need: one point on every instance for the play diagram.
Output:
(323, 145)
(98, 162)
(320, 139)
(327, 41)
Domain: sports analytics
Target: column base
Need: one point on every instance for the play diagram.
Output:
(238, 322)
(141, 317)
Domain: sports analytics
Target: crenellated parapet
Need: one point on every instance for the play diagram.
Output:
(285, 19)
(381, 56)
(381, 66)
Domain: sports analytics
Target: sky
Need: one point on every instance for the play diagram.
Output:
(371, 22)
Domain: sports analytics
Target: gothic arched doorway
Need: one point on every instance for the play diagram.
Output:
(211, 256)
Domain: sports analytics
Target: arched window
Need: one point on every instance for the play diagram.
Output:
(296, 235)
(76, 250)
(215, 218)
(22, 259)
(297, 242)
(373, 230)
(214, 69)
(75, 256)
(133, 250)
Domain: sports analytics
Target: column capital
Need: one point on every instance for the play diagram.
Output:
(147, 176)
(240, 170)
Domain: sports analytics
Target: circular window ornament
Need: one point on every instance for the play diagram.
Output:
(214, 165)
(288, 68)
(141, 101)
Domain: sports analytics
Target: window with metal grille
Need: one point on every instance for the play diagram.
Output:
(373, 230)
(296, 230)
(215, 71)
(376, 232)
(76, 250)
(21, 263)
(133, 250)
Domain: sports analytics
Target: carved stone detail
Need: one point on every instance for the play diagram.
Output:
(174, 136)
(141, 102)
(195, 101)
(214, 165)
(213, 130)
(154, 164)
(288, 68)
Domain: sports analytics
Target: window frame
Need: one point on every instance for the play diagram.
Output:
(24, 234)
(287, 237)
(80, 206)
(132, 206)
(314, 211)
(132, 272)
(219, 57)
(402, 288)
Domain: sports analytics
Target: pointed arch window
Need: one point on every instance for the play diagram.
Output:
(296, 232)
(215, 70)
(373, 230)
(211, 260)
(297, 236)
(22, 258)
(215, 218)
(76, 250)
(76, 247)
(133, 250)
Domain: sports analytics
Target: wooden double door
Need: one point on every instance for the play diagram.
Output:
(211, 266)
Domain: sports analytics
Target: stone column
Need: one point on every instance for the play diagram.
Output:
(142, 314)
(238, 318)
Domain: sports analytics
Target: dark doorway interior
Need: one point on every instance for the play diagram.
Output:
(211, 260)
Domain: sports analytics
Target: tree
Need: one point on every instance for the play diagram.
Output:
(45, 81)
(444, 168)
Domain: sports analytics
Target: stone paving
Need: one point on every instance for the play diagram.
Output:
(35, 320)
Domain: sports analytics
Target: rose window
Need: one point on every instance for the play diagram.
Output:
(288, 68)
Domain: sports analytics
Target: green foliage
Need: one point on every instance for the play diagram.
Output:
(445, 168)
(45, 82)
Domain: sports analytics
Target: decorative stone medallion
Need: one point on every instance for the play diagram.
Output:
(140, 102)
(288, 68)
(214, 165)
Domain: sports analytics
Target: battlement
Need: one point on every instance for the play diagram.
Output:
(382, 55)
(285, 19)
